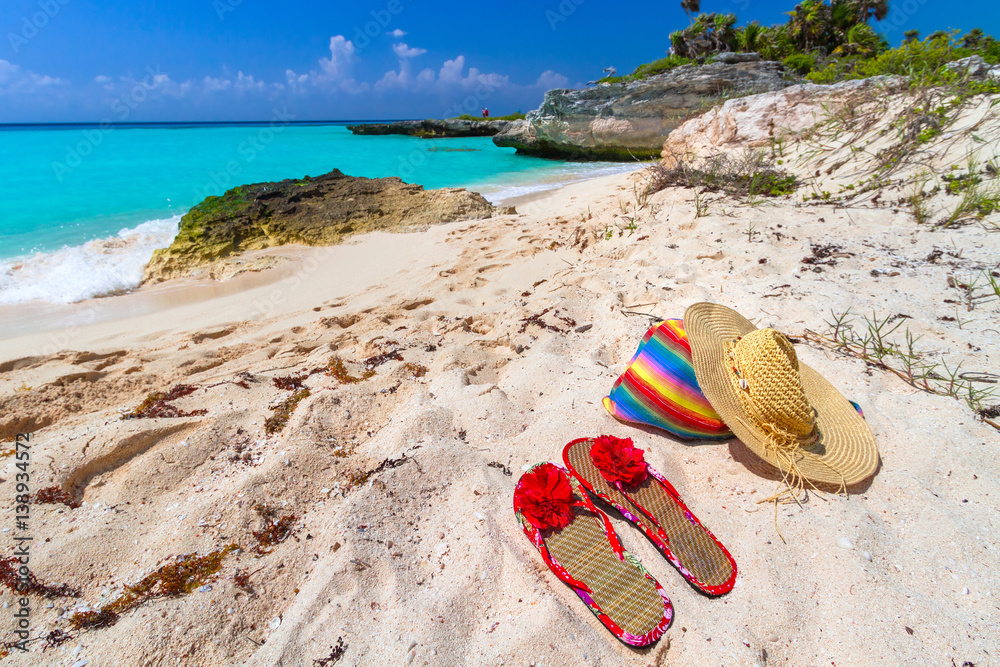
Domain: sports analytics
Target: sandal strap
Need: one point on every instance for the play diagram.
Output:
(609, 529)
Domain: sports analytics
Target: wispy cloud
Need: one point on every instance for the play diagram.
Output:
(404, 51)
(14, 80)
(397, 33)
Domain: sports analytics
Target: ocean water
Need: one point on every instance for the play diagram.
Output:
(84, 207)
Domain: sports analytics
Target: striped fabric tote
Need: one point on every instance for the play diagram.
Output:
(659, 388)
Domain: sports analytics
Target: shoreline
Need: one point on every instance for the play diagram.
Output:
(113, 263)
(38, 328)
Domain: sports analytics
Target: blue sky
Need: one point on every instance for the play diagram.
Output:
(143, 60)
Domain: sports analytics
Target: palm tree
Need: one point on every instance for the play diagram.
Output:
(810, 23)
(866, 10)
(691, 7)
(973, 38)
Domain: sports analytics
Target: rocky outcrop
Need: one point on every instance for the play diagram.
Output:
(434, 129)
(311, 211)
(625, 121)
(975, 68)
(756, 120)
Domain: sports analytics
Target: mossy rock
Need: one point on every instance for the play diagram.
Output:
(308, 211)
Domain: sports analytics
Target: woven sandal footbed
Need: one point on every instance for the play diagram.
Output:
(689, 542)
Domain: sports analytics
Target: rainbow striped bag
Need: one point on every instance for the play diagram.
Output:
(659, 388)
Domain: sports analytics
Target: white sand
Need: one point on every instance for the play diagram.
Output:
(428, 555)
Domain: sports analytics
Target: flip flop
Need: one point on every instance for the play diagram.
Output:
(621, 478)
(579, 544)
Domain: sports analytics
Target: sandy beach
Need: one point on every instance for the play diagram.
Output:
(394, 492)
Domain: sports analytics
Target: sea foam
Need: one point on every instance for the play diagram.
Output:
(99, 267)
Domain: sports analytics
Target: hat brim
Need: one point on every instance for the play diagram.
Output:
(845, 452)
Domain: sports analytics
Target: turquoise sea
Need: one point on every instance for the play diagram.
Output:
(85, 206)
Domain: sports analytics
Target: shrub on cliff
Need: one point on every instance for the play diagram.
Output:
(801, 63)
(925, 62)
(649, 69)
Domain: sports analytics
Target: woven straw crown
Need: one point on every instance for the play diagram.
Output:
(782, 410)
(766, 379)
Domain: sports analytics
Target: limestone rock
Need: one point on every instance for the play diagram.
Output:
(975, 67)
(311, 211)
(626, 121)
(755, 120)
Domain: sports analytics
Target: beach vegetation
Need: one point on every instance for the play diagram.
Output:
(976, 202)
(800, 63)
(827, 41)
(649, 69)
(917, 200)
(747, 174)
(882, 343)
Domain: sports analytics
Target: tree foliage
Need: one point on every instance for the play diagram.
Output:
(822, 39)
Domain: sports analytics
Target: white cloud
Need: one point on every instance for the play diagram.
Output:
(397, 33)
(451, 73)
(549, 80)
(334, 72)
(15, 79)
(451, 70)
(404, 51)
(341, 58)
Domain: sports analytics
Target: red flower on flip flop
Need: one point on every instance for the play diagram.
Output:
(618, 460)
(546, 498)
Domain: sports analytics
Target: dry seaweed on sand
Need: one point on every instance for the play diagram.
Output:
(56, 638)
(241, 579)
(377, 360)
(53, 494)
(539, 322)
(157, 405)
(499, 466)
(415, 370)
(290, 382)
(359, 478)
(10, 577)
(283, 411)
(336, 653)
(338, 371)
(188, 573)
(825, 255)
(276, 530)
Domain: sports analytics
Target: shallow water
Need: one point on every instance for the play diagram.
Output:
(86, 206)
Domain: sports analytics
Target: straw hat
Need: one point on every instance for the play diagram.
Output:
(781, 409)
